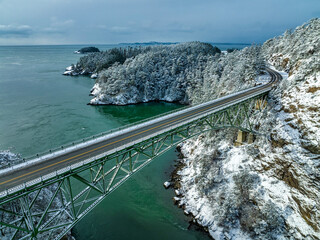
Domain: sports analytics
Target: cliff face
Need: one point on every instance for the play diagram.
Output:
(269, 189)
(176, 73)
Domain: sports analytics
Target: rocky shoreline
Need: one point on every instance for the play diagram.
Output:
(176, 185)
(135, 103)
(267, 189)
(75, 70)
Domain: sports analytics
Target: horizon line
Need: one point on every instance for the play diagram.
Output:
(122, 43)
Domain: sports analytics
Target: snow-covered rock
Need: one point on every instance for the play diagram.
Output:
(71, 71)
(8, 158)
(94, 75)
(70, 68)
(68, 73)
(176, 200)
(166, 184)
(269, 189)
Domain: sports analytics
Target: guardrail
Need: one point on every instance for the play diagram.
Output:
(71, 144)
(130, 143)
(96, 136)
(81, 143)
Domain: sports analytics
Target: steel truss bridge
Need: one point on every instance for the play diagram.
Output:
(45, 197)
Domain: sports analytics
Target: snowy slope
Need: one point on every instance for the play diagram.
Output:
(269, 189)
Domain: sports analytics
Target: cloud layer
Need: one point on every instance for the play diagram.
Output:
(113, 21)
(15, 31)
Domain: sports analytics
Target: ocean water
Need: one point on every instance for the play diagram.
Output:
(41, 109)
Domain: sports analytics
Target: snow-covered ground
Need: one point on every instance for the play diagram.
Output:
(262, 79)
(269, 189)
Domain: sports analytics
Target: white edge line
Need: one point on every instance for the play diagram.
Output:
(35, 161)
(76, 165)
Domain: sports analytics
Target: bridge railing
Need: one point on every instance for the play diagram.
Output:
(96, 136)
(83, 140)
(128, 143)
(70, 144)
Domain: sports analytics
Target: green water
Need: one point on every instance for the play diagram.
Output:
(140, 209)
(41, 109)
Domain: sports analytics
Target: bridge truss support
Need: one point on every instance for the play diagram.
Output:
(48, 210)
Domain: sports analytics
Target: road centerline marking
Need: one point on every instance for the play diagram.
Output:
(133, 135)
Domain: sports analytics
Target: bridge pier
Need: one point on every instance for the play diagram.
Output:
(240, 138)
(243, 137)
(250, 138)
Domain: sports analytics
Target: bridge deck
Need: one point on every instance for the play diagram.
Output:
(53, 164)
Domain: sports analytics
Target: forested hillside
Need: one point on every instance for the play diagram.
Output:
(177, 73)
(269, 189)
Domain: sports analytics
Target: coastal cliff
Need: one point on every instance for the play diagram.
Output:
(269, 189)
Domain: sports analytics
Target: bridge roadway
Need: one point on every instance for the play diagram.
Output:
(29, 173)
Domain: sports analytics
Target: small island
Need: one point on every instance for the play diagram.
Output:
(87, 50)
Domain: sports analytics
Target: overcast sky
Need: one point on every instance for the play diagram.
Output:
(115, 21)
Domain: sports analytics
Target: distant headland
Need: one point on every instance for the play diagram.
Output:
(87, 50)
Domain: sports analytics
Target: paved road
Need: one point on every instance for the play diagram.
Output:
(51, 165)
